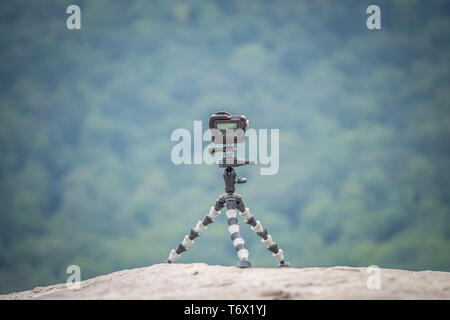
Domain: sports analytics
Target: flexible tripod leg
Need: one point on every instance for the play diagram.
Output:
(262, 232)
(233, 228)
(195, 232)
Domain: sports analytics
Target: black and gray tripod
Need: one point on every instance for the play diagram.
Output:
(231, 201)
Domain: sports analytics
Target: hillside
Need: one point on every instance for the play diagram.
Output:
(201, 281)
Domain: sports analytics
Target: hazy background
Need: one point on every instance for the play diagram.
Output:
(86, 117)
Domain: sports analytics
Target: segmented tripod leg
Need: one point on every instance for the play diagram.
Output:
(238, 242)
(266, 238)
(195, 232)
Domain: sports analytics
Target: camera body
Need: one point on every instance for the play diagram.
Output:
(227, 128)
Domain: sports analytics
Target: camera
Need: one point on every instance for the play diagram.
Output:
(227, 128)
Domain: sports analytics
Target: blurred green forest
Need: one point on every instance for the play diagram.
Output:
(86, 117)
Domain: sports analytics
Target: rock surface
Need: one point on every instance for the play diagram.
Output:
(201, 281)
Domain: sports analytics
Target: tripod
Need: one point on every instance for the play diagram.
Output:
(231, 201)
